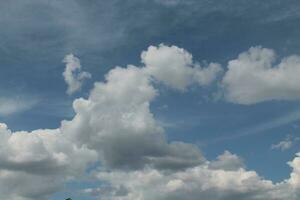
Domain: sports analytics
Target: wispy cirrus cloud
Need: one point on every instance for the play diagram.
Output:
(13, 105)
(262, 128)
(286, 143)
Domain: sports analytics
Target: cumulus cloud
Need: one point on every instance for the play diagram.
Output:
(223, 179)
(73, 74)
(200, 182)
(227, 161)
(254, 77)
(295, 175)
(32, 160)
(115, 126)
(175, 67)
(118, 123)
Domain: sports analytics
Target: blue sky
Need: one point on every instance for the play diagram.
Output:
(37, 35)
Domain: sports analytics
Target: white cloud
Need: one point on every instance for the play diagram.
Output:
(115, 121)
(175, 67)
(124, 132)
(287, 143)
(115, 126)
(227, 161)
(118, 123)
(13, 105)
(73, 75)
(253, 77)
(283, 145)
(200, 182)
(294, 179)
(32, 160)
(118, 118)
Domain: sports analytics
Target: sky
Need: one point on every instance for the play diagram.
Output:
(150, 99)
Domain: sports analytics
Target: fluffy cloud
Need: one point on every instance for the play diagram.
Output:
(117, 122)
(121, 128)
(174, 67)
(30, 161)
(73, 75)
(115, 126)
(223, 179)
(227, 161)
(295, 175)
(253, 77)
(118, 118)
(200, 182)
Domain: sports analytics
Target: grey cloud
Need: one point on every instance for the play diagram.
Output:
(30, 161)
(115, 126)
(227, 161)
(194, 183)
(253, 77)
(120, 107)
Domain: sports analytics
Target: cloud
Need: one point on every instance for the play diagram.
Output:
(200, 182)
(286, 144)
(175, 67)
(286, 119)
(13, 105)
(253, 77)
(294, 179)
(118, 123)
(227, 161)
(32, 160)
(115, 127)
(73, 75)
